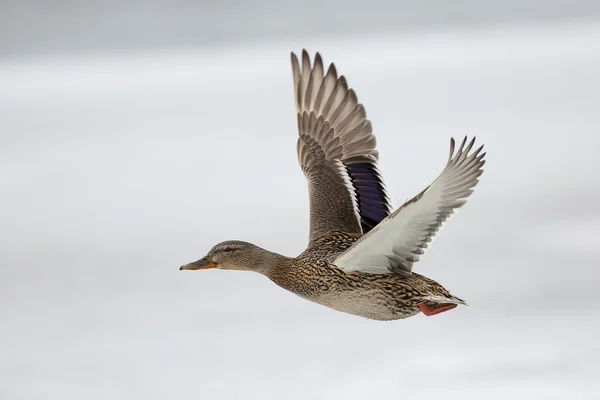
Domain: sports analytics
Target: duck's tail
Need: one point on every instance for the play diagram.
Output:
(435, 304)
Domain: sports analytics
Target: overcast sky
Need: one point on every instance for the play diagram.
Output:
(121, 163)
(41, 27)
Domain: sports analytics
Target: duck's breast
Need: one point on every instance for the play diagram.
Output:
(367, 303)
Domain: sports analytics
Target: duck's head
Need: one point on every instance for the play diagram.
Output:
(236, 255)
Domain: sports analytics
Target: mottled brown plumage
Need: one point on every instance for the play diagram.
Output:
(360, 255)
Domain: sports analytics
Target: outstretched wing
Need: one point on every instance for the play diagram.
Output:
(399, 240)
(336, 150)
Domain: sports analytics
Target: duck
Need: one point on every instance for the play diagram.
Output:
(361, 252)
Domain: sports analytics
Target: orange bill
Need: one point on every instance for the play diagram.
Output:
(203, 263)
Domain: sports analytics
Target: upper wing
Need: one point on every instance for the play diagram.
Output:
(336, 151)
(399, 240)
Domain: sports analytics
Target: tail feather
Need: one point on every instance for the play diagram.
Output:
(431, 298)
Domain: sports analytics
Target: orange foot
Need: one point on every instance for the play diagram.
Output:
(433, 311)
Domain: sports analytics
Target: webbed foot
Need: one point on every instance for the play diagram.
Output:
(439, 308)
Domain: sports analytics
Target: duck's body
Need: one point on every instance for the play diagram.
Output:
(374, 296)
(313, 277)
(360, 254)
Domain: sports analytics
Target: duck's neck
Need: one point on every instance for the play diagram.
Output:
(271, 264)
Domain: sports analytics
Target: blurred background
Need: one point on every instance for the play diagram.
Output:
(135, 135)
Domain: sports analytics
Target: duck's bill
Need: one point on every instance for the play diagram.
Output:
(200, 264)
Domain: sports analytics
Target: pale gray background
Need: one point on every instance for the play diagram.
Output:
(135, 135)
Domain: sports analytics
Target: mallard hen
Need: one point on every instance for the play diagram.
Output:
(360, 254)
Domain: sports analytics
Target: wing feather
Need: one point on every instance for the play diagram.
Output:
(400, 240)
(336, 150)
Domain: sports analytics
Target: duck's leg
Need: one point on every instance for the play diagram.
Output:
(438, 308)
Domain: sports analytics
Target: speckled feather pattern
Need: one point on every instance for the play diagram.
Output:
(381, 297)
